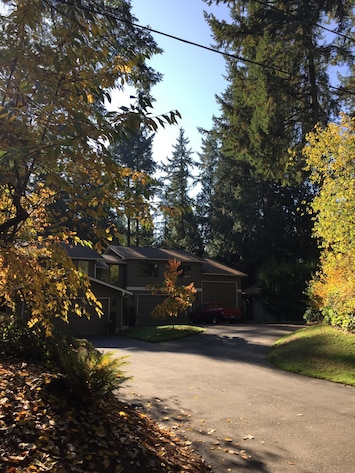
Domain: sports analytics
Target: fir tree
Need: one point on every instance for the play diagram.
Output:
(278, 89)
(180, 223)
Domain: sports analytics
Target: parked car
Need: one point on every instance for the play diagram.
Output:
(214, 313)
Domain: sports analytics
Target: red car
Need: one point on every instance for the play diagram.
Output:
(214, 313)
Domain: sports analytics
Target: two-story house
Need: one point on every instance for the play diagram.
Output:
(122, 278)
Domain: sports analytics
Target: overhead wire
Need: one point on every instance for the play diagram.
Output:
(201, 46)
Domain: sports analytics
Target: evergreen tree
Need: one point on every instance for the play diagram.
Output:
(265, 112)
(208, 160)
(282, 77)
(134, 152)
(180, 223)
(278, 90)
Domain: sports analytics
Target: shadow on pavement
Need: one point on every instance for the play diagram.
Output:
(234, 343)
(222, 452)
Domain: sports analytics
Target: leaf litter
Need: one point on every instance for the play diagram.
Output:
(43, 431)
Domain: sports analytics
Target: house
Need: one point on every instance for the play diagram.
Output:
(121, 279)
(105, 279)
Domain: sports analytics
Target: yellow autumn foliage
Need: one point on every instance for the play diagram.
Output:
(330, 155)
(58, 68)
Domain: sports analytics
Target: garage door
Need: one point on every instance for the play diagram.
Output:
(84, 327)
(223, 292)
(146, 304)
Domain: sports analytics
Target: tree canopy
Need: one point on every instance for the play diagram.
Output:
(330, 155)
(278, 61)
(177, 298)
(60, 62)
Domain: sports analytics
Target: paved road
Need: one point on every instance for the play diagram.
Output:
(217, 390)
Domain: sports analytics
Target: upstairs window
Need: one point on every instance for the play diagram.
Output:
(114, 273)
(185, 271)
(148, 269)
(83, 266)
(111, 274)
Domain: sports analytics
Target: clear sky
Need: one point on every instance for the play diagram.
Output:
(192, 76)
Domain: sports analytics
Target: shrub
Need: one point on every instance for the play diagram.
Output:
(312, 315)
(343, 321)
(83, 371)
(18, 340)
(87, 373)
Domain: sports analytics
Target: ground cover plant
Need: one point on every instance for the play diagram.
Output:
(318, 351)
(162, 333)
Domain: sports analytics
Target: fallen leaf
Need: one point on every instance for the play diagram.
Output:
(233, 452)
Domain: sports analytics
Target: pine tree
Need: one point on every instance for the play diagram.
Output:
(283, 76)
(278, 89)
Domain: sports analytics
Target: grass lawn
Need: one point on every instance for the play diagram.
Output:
(318, 351)
(162, 333)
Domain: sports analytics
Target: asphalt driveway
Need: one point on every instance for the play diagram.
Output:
(218, 391)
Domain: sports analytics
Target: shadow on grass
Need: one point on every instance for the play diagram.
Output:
(319, 352)
(162, 333)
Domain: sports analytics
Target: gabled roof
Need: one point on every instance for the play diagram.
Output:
(82, 252)
(111, 286)
(211, 267)
(208, 265)
(138, 253)
(112, 258)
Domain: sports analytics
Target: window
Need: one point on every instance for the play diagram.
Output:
(110, 274)
(114, 271)
(83, 266)
(148, 269)
(186, 271)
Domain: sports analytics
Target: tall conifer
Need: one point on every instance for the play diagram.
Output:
(278, 89)
(180, 223)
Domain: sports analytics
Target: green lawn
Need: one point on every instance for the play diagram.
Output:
(162, 333)
(318, 351)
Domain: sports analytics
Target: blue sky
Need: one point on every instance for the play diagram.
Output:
(192, 76)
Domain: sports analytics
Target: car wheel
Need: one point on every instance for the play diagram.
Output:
(215, 319)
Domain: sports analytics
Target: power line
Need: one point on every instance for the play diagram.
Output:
(201, 46)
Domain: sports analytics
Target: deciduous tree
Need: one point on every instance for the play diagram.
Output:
(178, 298)
(60, 60)
(330, 155)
